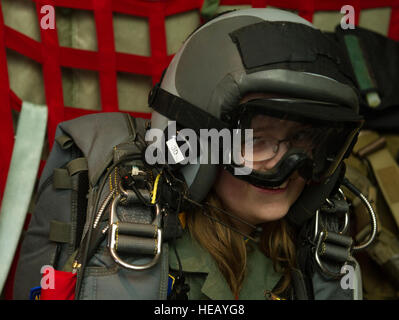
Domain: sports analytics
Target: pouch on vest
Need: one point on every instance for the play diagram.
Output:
(372, 157)
(61, 287)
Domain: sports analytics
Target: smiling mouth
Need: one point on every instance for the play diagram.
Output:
(274, 190)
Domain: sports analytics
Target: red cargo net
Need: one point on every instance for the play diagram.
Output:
(106, 61)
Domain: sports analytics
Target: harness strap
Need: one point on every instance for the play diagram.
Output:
(77, 165)
(385, 169)
(64, 141)
(61, 179)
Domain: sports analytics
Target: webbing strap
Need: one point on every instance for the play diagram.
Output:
(386, 172)
(360, 67)
(77, 165)
(183, 112)
(61, 179)
(64, 141)
(209, 8)
(21, 179)
(363, 73)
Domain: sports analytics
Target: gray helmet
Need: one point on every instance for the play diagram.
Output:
(253, 51)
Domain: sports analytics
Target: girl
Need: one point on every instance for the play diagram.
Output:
(272, 72)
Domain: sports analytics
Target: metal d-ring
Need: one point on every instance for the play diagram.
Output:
(335, 275)
(319, 238)
(112, 242)
(346, 222)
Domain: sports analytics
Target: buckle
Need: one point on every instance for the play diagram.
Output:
(334, 246)
(134, 237)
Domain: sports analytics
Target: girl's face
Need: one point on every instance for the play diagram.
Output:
(257, 205)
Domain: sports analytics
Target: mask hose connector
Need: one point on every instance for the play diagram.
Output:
(373, 217)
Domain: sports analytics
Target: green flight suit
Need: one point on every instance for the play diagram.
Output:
(206, 281)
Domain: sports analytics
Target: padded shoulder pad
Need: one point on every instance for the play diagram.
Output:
(97, 134)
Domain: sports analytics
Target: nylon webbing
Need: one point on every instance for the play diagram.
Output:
(21, 180)
(362, 73)
(61, 179)
(64, 141)
(184, 112)
(77, 165)
(386, 172)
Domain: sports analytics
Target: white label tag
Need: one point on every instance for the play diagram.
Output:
(175, 150)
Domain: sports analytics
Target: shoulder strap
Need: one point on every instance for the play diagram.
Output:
(108, 141)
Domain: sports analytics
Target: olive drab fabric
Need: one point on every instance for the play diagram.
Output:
(85, 147)
(206, 281)
(379, 263)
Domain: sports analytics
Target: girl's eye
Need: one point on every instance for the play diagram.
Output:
(303, 135)
(255, 140)
(258, 141)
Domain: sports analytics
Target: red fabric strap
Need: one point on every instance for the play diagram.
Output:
(106, 51)
(51, 74)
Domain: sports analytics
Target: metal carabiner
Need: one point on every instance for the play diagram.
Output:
(112, 242)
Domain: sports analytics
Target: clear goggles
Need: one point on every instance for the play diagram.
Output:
(274, 142)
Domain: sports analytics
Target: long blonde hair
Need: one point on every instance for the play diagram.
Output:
(228, 247)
